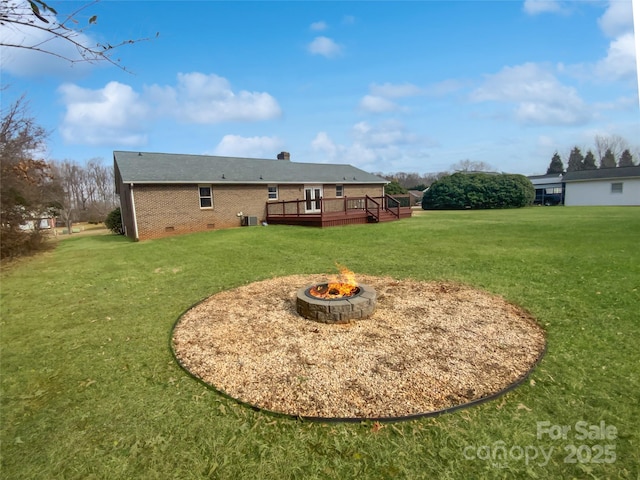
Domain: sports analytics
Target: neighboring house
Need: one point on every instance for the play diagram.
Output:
(164, 194)
(45, 223)
(415, 196)
(604, 186)
(549, 189)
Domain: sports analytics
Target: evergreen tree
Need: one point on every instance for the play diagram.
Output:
(394, 188)
(556, 165)
(608, 160)
(590, 161)
(626, 159)
(576, 160)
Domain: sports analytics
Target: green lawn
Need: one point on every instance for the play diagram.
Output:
(90, 388)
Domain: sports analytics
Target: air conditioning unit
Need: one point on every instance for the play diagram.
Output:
(249, 221)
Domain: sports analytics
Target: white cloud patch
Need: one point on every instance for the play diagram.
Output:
(249, 147)
(383, 135)
(113, 115)
(208, 99)
(379, 99)
(375, 104)
(24, 60)
(324, 46)
(318, 26)
(617, 19)
(118, 115)
(388, 143)
(323, 143)
(537, 95)
(391, 90)
(348, 20)
(536, 7)
(620, 61)
(443, 88)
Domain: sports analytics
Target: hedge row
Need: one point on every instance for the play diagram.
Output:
(479, 190)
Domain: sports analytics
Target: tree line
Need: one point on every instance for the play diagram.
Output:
(610, 152)
(401, 182)
(35, 189)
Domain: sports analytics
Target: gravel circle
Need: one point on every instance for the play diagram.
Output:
(428, 346)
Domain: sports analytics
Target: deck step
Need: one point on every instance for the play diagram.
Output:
(384, 217)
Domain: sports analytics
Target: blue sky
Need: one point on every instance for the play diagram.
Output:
(385, 86)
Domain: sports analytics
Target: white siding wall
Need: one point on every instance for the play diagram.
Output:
(598, 192)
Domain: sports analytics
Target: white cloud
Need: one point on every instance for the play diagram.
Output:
(538, 96)
(383, 135)
(374, 104)
(118, 115)
(113, 115)
(324, 46)
(207, 99)
(348, 20)
(619, 64)
(443, 88)
(617, 19)
(620, 61)
(323, 143)
(355, 154)
(378, 101)
(388, 143)
(391, 90)
(250, 147)
(535, 7)
(318, 26)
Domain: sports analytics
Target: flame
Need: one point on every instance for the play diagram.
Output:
(344, 285)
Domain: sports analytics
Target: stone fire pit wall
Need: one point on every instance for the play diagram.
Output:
(339, 310)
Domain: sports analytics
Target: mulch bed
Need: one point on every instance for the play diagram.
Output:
(429, 346)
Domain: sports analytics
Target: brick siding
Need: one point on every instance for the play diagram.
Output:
(164, 210)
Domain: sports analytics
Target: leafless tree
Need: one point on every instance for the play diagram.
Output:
(615, 143)
(471, 166)
(27, 187)
(103, 198)
(66, 177)
(86, 192)
(41, 19)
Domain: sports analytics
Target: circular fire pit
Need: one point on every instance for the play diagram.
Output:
(318, 303)
(428, 348)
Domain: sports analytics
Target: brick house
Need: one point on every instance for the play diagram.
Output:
(167, 194)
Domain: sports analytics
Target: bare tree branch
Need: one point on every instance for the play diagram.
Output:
(37, 16)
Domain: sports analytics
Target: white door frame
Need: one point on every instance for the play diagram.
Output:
(312, 196)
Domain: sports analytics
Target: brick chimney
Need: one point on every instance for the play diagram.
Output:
(284, 156)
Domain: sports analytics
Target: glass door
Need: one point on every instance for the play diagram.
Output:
(312, 196)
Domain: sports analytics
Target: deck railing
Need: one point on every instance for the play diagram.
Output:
(372, 205)
(373, 208)
(392, 205)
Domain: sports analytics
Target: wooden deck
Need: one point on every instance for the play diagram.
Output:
(332, 212)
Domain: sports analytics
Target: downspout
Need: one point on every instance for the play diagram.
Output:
(133, 210)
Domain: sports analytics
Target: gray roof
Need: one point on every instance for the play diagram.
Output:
(601, 174)
(145, 167)
(546, 179)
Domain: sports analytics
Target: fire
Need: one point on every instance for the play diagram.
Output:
(344, 285)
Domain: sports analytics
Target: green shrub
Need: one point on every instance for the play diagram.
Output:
(479, 190)
(114, 221)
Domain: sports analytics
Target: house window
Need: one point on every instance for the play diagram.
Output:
(616, 187)
(273, 192)
(339, 191)
(206, 197)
